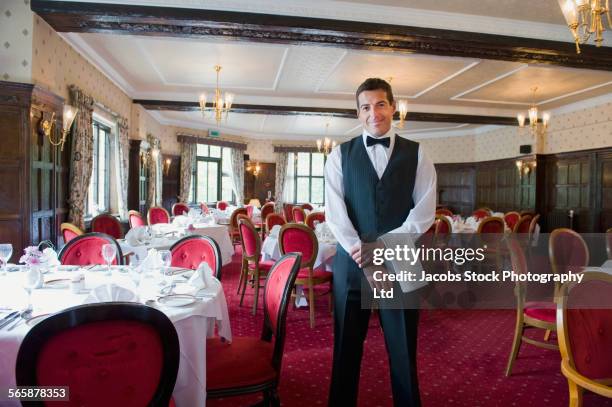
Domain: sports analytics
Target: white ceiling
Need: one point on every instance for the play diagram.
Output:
(180, 69)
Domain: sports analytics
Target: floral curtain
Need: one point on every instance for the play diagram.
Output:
(123, 150)
(282, 159)
(154, 193)
(238, 175)
(188, 157)
(81, 161)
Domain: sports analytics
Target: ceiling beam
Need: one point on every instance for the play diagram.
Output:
(164, 105)
(198, 23)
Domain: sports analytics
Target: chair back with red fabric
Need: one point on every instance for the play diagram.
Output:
(567, 251)
(70, 231)
(250, 209)
(157, 214)
(250, 240)
(277, 293)
(533, 223)
(86, 250)
(180, 208)
(307, 206)
(481, 213)
(135, 219)
(274, 219)
(106, 223)
(204, 208)
(313, 217)
(522, 226)
(609, 243)
(442, 225)
(267, 209)
(491, 224)
(299, 238)
(234, 218)
(288, 212)
(190, 251)
(299, 216)
(222, 205)
(584, 323)
(511, 218)
(444, 211)
(107, 354)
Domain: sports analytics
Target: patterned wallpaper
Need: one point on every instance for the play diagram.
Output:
(15, 41)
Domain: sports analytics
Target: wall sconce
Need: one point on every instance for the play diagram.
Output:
(403, 111)
(167, 164)
(525, 168)
(254, 169)
(46, 126)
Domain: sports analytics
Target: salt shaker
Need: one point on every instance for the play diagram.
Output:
(77, 283)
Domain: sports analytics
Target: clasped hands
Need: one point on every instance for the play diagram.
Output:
(363, 254)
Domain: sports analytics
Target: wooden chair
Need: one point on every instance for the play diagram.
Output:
(511, 218)
(444, 211)
(180, 208)
(567, 251)
(584, 323)
(298, 214)
(190, 251)
(253, 364)
(481, 213)
(86, 250)
(287, 212)
(107, 223)
(157, 214)
(491, 224)
(252, 265)
(529, 315)
(523, 224)
(222, 205)
(314, 216)
(295, 237)
(274, 219)
(442, 225)
(112, 354)
(204, 208)
(135, 219)
(267, 209)
(233, 225)
(307, 206)
(70, 231)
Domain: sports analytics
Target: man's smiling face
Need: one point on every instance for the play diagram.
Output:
(375, 112)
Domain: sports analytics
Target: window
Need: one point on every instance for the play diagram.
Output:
(306, 178)
(212, 180)
(98, 194)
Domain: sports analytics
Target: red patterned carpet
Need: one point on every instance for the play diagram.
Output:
(462, 357)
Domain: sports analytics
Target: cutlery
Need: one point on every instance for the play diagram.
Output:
(23, 316)
(7, 319)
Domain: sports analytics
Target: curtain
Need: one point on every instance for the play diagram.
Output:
(238, 175)
(188, 157)
(81, 160)
(282, 159)
(123, 152)
(154, 193)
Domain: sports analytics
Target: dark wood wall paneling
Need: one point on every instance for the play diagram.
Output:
(258, 186)
(138, 179)
(170, 180)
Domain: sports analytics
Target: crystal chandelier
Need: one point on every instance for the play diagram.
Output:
(585, 18)
(402, 106)
(534, 121)
(325, 145)
(221, 105)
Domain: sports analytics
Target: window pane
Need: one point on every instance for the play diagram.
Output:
(289, 190)
(226, 160)
(303, 164)
(317, 191)
(290, 164)
(226, 189)
(101, 201)
(302, 189)
(202, 150)
(213, 173)
(215, 151)
(201, 189)
(318, 162)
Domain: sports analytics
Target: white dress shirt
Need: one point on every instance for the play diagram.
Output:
(420, 218)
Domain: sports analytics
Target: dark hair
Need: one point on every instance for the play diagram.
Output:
(374, 84)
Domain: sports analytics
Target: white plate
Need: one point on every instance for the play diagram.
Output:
(177, 300)
(36, 319)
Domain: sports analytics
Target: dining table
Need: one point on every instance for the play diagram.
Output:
(193, 316)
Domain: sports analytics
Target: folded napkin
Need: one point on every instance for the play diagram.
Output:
(274, 231)
(180, 220)
(202, 277)
(111, 292)
(136, 236)
(152, 261)
(49, 257)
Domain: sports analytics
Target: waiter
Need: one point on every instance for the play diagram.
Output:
(376, 183)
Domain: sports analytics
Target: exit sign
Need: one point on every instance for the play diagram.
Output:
(213, 133)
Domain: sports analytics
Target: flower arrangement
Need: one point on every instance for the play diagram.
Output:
(32, 256)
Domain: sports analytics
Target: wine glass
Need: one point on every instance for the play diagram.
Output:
(32, 279)
(109, 251)
(6, 251)
(166, 259)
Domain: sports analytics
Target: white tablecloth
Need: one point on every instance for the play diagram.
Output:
(193, 324)
(327, 250)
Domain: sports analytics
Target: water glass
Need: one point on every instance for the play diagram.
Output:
(109, 251)
(166, 259)
(31, 280)
(6, 251)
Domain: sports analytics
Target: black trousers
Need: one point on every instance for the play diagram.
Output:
(350, 329)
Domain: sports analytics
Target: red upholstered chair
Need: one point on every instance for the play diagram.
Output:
(442, 225)
(529, 315)
(274, 219)
(190, 251)
(204, 208)
(298, 214)
(233, 225)
(491, 224)
(70, 231)
(609, 243)
(287, 211)
(307, 206)
(444, 211)
(106, 223)
(584, 324)
(522, 226)
(481, 213)
(566, 251)
(298, 238)
(107, 354)
(180, 208)
(157, 214)
(86, 250)
(511, 218)
(250, 209)
(253, 364)
(314, 216)
(222, 205)
(252, 265)
(135, 219)
(267, 209)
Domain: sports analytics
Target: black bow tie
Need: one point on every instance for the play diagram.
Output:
(370, 141)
